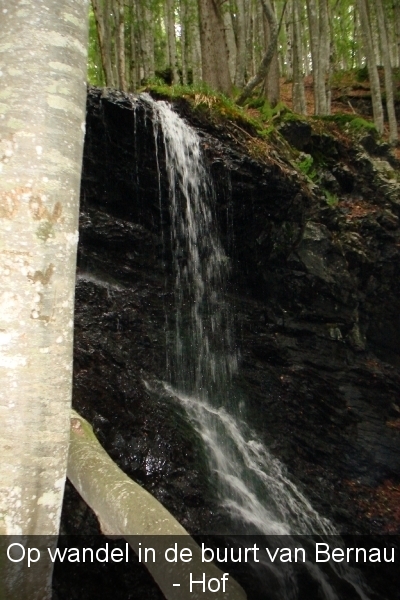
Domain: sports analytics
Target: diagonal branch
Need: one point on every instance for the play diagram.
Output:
(125, 509)
(268, 56)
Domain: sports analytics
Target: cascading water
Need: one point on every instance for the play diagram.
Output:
(252, 484)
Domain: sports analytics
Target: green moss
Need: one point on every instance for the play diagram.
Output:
(307, 167)
(204, 99)
(355, 122)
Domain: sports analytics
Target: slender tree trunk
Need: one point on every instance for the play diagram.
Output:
(318, 21)
(214, 51)
(371, 62)
(230, 41)
(380, 15)
(271, 84)
(396, 9)
(299, 99)
(41, 156)
(184, 41)
(193, 41)
(104, 40)
(241, 43)
(324, 55)
(288, 56)
(120, 43)
(313, 26)
(132, 49)
(171, 41)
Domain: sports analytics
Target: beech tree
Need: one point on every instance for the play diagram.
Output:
(214, 50)
(43, 50)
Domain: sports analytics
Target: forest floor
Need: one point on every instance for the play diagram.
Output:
(348, 96)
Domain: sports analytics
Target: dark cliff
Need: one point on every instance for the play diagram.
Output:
(314, 285)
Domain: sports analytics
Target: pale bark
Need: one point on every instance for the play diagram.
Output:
(271, 84)
(43, 48)
(313, 26)
(324, 55)
(132, 50)
(240, 43)
(393, 135)
(171, 41)
(318, 22)
(145, 22)
(299, 99)
(184, 41)
(108, 42)
(371, 62)
(396, 9)
(287, 56)
(193, 41)
(120, 43)
(214, 51)
(125, 509)
(230, 41)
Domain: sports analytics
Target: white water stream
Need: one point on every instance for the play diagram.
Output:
(253, 485)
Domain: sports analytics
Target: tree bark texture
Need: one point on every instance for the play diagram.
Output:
(43, 48)
(125, 509)
(299, 99)
(104, 40)
(371, 62)
(214, 51)
(380, 15)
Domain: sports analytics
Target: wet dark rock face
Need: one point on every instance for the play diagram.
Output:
(315, 291)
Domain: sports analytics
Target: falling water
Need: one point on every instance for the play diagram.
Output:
(252, 484)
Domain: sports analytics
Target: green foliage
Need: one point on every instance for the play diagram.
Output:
(307, 167)
(353, 121)
(331, 199)
(204, 99)
(95, 70)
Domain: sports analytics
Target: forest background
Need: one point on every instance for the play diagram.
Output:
(274, 48)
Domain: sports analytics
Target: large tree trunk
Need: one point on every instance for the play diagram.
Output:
(145, 21)
(43, 48)
(371, 62)
(214, 51)
(388, 70)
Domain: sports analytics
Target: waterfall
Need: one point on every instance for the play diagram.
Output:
(253, 486)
